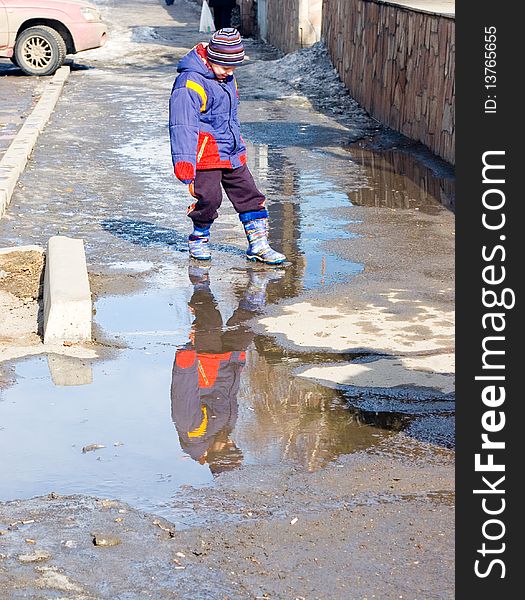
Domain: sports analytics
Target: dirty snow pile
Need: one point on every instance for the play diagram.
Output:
(310, 71)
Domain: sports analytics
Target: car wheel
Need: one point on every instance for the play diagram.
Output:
(39, 50)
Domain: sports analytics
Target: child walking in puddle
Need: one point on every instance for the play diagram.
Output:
(207, 148)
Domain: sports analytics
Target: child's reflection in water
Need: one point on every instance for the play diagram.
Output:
(206, 372)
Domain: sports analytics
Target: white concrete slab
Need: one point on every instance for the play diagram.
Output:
(67, 297)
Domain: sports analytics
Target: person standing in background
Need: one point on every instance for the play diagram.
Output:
(222, 12)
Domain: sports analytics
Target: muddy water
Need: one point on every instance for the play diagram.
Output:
(110, 428)
(399, 179)
(129, 424)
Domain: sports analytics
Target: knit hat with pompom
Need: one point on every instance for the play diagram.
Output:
(225, 48)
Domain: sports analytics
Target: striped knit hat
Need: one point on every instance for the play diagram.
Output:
(225, 48)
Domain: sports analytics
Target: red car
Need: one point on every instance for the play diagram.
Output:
(37, 34)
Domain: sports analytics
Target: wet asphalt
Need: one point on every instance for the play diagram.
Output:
(102, 171)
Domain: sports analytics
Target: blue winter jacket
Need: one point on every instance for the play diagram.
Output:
(204, 127)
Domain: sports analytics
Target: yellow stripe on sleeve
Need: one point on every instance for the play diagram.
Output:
(201, 429)
(200, 90)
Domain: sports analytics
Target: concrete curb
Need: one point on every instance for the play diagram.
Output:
(15, 158)
(67, 297)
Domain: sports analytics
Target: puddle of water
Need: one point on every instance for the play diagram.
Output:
(146, 406)
(155, 313)
(137, 266)
(398, 180)
(307, 223)
(280, 133)
(46, 427)
(319, 223)
(304, 216)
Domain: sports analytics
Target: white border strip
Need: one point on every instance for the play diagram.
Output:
(15, 158)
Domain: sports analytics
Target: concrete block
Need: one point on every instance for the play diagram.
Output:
(8, 179)
(9, 172)
(67, 297)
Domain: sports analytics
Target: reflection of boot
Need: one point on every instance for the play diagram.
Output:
(198, 243)
(256, 230)
(254, 298)
(199, 276)
(262, 277)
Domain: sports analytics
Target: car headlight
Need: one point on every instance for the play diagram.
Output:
(90, 14)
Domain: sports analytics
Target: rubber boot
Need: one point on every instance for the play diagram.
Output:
(198, 243)
(258, 247)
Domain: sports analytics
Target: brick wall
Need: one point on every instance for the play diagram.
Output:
(399, 65)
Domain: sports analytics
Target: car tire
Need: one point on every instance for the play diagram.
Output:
(39, 50)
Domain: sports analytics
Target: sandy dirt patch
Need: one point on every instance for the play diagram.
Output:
(21, 287)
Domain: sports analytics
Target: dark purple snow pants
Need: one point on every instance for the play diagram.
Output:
(239, 187)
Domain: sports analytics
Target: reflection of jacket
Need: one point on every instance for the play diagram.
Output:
(204, 126)
(204, 390)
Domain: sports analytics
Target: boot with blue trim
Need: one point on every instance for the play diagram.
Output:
(256, 229)
(198, 242)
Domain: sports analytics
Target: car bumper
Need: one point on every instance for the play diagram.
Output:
(90, 35)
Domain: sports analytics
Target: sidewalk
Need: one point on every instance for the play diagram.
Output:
(18, 95)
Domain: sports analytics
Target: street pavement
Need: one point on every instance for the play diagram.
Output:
(18, 95)
(340, 487)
